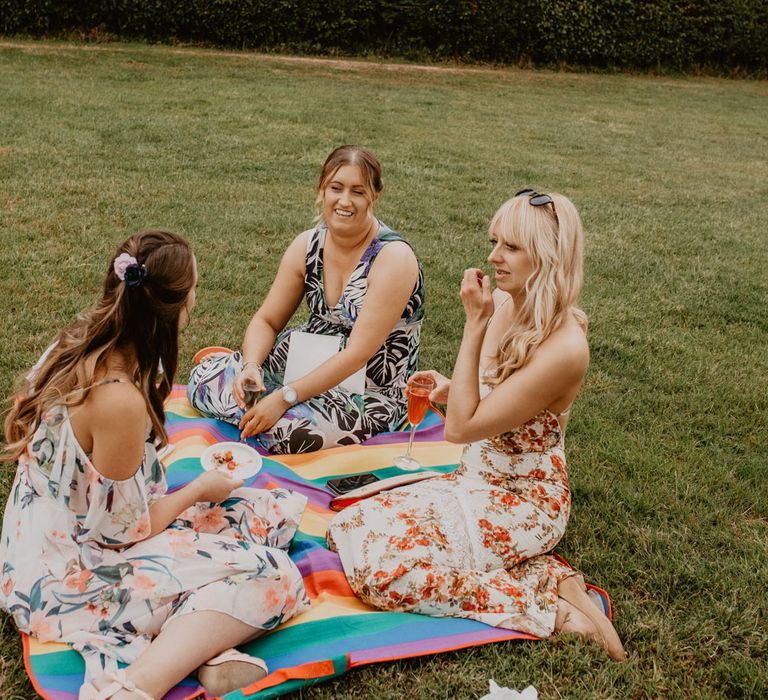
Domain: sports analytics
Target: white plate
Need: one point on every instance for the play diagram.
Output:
(247, 459)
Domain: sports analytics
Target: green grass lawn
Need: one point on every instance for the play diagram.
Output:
(667, 442)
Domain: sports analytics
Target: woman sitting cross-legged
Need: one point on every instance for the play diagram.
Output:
(475, 543)
(363, 284)
(94, 552)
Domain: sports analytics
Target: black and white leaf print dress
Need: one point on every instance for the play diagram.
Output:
(334, 417)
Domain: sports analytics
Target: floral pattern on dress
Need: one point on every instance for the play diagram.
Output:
(334, 417)
(60, 583)
(475, 543)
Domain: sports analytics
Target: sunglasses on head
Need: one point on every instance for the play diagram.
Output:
(537, 199)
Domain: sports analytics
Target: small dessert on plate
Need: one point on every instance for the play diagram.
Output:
(237, 459)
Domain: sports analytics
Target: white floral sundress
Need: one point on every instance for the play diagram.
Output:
(62, 581)
(473, 543)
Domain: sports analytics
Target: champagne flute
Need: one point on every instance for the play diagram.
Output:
(418, 391)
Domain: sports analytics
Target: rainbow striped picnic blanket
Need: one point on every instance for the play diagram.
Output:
(338, 632)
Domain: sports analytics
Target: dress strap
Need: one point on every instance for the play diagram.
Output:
(498, 308)
(112, 381)
(383, 235)
(101, 382)
(564, 412)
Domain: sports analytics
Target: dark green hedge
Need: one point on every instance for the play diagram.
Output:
(671, 34)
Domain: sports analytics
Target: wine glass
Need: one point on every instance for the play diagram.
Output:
(418, 391)
(251, 392)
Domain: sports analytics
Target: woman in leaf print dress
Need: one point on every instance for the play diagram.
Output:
(362, 282)
(94, 552)
(475, 543)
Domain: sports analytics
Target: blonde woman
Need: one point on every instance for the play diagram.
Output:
(94, 552)
(363, 284)
(475, 543)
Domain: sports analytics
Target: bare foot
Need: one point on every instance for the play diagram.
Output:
(577, 614)
(230, 670)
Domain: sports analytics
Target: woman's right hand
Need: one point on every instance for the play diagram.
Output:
(249, 373)
(442, 384)
(214, 486)
(476, 296)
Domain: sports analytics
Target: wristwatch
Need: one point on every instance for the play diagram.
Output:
(289, 394)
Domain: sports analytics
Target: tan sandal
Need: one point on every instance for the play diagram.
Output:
(118, 681)
(230, 670)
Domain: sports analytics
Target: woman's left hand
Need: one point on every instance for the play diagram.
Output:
(476, 296)
(263, 415)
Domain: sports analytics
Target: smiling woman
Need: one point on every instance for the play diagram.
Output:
(364, 285)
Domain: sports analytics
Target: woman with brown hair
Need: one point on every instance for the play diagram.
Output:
(363, 284)
(476, 543)
(94, 552)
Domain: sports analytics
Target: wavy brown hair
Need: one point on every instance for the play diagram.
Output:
(143, 319)
(554, 241)
(369, 165)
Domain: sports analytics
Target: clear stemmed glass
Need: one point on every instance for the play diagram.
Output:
(418, 391)
(252, 392)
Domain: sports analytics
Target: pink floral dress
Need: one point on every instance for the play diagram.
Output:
(472, 543)
(62, 581)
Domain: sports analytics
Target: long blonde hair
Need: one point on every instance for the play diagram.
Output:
(554, 241)
(143, 318)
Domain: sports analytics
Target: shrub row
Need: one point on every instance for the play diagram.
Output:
(671, 34)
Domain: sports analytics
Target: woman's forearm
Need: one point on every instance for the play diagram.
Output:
(464, 392)
(165, 510)
(258, 341)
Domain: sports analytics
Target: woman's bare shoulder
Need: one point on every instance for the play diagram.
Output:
(117, 405)
(300, 241)
(569, 345)
(296, 253)
(111, 426)
(395, 262)
(396, 252)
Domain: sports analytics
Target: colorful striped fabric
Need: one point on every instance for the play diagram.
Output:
(339, 632)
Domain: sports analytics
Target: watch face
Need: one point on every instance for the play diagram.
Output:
(289, 394)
